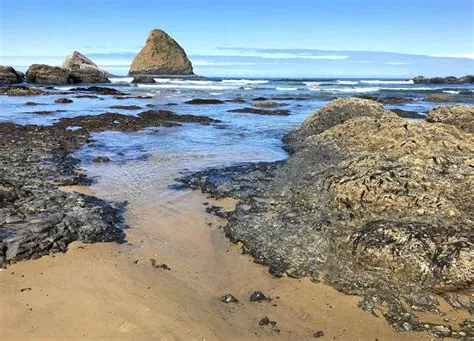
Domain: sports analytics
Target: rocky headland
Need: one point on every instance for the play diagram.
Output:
(444, 80)
(9, 75)
(369, 203)
(161, 56)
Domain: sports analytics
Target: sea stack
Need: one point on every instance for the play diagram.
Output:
(161, 56)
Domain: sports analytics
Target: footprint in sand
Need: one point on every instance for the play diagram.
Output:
(126, 327)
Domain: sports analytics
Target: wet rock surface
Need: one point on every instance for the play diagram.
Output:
(126, 107)
(36, 217)
(408, 114)
(143, 79)
(439, 98)
(99, 90)
(369, 203)
(258, 111)
(20, 90)
(204, 101)
(46, 74)
(63, 100)
(268, 104)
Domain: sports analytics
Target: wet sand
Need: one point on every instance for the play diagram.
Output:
(109, 291)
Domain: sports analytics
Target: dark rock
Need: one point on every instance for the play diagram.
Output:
(9, 75)
(228, 298)
(44, 112)
(445, 80)
(46, 74)
(386, 100)
(161, 55)
(260, 99)
(143, 79)
(461, 116)
(235, 100)
(257, 296)
(319, 333)
(408, 114)
(204, 101)
(63, 100)
(87, 96)
(261, 111)
(126, 107)
(31, 103)
(100, 90)
(159, 266)
(84, 70)
(101, 159)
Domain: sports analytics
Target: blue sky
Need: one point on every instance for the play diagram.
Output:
(299, 38)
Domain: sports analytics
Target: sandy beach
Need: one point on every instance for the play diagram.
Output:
(107, 291)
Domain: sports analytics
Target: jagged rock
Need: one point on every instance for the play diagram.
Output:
(46, 74)
(84, 70)
(372, 204)
(144, 79)
(444, 80)
(161, 55)
(334, 113)
(63, 100)
(408, 114)
(9, 75)
(461, 116)
(439, 98)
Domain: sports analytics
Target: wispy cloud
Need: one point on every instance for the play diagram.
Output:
(397, 63)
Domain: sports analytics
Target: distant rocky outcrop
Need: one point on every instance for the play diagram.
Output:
(9, 75)
(77, 68)
(461, 116)
(439, 98)
(161, 56)
(444, 80)
(84, 70)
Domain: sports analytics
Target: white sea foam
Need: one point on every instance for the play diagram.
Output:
(451, 91)
(310, 84)
(183, 81)
(286, 89)
(121, 79)
(347, 82)
(410, 81)
(185, 86)
(244, 81)
(345, 90)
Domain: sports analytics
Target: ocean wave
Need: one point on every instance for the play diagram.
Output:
(121, 79)
(387, 82)
(346, 90)
(347, 82)
(244, 81)
(185, 86)
(455, 92)
(286, 89)
(183, 81)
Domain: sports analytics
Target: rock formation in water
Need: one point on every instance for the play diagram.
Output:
(444, 80)
(370, 203)
(84, 70)
(9, 75)
(77, 68)
(47, 74)
(161, 56)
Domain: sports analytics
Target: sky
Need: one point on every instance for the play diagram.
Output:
(259, 38)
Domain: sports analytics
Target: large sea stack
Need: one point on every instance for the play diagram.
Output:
(9, 75)
(161, 56)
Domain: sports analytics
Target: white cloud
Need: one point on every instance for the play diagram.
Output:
(455, 55)
(397, 63)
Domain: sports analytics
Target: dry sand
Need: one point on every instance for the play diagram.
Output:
(112, 292)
